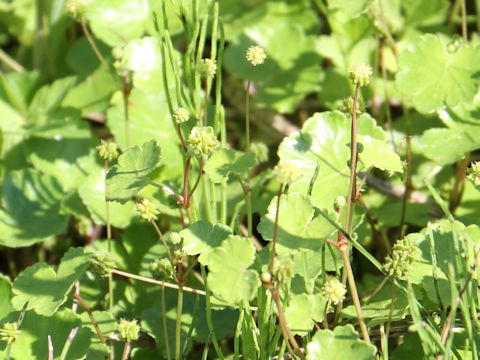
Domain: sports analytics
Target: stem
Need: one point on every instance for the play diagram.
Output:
(353, 163)
(185, 182)
(168, 190)
(448, 320)
(97, 52)
(200, 172)
(15, 66)
(50, 347)
(178, 325)
(247, 108)
(205, 109)
(162, 238)
(408, 181)
(126, 95)
(157, 282)
(463, 12)
(109, 239)
(90, 315)
(457, 191)
(126, 350)
(354, 293)
(390, 313)
(208, 311)
(275, 232)
(182, 140)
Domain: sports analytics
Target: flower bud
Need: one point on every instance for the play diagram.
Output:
(107, 150)
(334, 291)
(347, 107)
(339, 203)
(128, 330)
(201, 142)
(161, 269)
(266, 277)
(404, 253)
(207, 68)
(175, 238)
(181, 115)
(473, 173)
(9, 332)
(147, 210)
(360, 73)
(256, 55)
(283, 270)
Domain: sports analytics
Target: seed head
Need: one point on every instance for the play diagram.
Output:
(202, 141)
(360, 73)
(161, 269)
(147, 210)
(256, 55)
(339, 203)
(9, 332)
(207, 68)
(107, 150)
(181, 115)
(334, 291)
(128, 330)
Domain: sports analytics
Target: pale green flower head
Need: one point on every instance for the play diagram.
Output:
(256, 55)
(207, 68)
(76, 8)
(175, 238)
(147, 210)
(161, 269)
(334, 291)
(287, 171)
(404, 253)
(103, 263)
(473, 173)
(9, 332)
(107, 150)
(339, 202)
(128, 330)
(181, 115)
(202, 141)
(360, 73)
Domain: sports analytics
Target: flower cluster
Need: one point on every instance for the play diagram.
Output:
(473, 173)
(334, 291)
(256, 55)
(181, 115)
(202, 141)
(347, 107)
(161, 269)
(103, 263)
(175, 238)
(9, 332)
(207, 68)
(76, 8)
(287, 171)
(360, 73)
(128, 330)
(107, 150)
(403, 255)
(147, 210)
(283, 270)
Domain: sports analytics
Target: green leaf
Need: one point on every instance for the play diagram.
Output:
(125, 180)
(92, 193)
(5, 296)
(446, 146)
(226, 161)
(202, 238)
(32, 201)
(303, 310)
(341, 344)
(324, 140)
(351, 8)
(431, 77)
(31, 344)
(43, 289)
(298, 228)
(229, 277)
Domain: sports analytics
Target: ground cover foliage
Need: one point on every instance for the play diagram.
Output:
(203, 179)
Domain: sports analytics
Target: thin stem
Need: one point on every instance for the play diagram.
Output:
(247, 109)
(205, 106)
(15, 66)
(457, 191)
(168, 190)
(97, 52)
(200, 172)
(354, 293)
(109, 239)
(90, 315)
(126, 95)
(353, 163)
(408, 181)
(50, 347)
(275, 232)
(185, 181)
(162, 238)
(392, 305)
(448, 320)
(182, 140)
(463, 12)
(157, 282)
(178, 324)
(126, 350)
